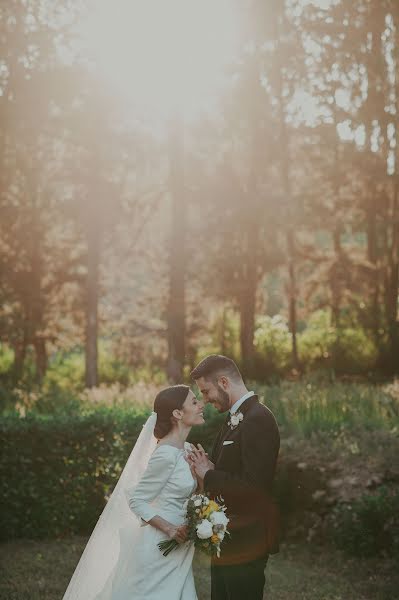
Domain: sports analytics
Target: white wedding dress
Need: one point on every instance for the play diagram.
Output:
(121, 560)
(144, 573)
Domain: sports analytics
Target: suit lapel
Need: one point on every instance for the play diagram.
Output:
(219, 438)
(225, 431)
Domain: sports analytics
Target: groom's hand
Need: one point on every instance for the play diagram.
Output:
(200, 461)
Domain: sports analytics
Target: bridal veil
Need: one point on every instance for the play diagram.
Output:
(112, 543)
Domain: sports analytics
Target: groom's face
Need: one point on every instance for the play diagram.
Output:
(214, 394)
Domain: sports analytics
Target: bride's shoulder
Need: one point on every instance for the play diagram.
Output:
(165, 449)
(164, 456)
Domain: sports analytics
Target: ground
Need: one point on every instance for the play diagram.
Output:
(40, 570)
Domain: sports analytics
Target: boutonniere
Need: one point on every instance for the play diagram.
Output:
(235, 420)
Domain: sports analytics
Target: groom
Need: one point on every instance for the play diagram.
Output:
(241, 470)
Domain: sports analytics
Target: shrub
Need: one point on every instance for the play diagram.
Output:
(6, 359)
(57, 471)
(223, 337)
(66, 371)
(307, 408)
(370, 525)
(273, 345)
(8, 398)
(347, 350)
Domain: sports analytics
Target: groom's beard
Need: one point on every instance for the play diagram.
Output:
(223, 399)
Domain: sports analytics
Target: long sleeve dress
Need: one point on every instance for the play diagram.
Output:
(163, 490)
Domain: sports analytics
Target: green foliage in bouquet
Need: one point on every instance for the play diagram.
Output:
(207, 525)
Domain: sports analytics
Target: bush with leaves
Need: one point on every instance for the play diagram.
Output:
(273, 345)
(370, 525)
(348, 349)
(57, 471)
(223, 336)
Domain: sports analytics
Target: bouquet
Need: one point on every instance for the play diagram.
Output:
(207, 525)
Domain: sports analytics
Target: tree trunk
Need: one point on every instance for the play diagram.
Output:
(37, 299)
(371, 217)
(292, 296)
(19, 348)
(223, 332)
(290, 238)
(247, 321)
(336, 274)
(392, 300)
(335, 281)
(336, 277)
(177, 256)
(372, 255)
(286, 186)
(92, 291)
(392, 284)
(41, 358)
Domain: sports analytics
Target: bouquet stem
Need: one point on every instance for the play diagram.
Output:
(167, 546)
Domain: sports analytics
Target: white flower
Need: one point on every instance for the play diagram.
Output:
(221, 535)
(235, 420)
(204, 530)
(219, 518)
(205, 501)
(197, 502)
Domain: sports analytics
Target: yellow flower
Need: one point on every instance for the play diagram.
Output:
(215, 539)
(212, 506)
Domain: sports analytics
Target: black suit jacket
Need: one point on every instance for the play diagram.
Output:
(243, 476)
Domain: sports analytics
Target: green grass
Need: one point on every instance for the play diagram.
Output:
(33, 570)
(301, 407)
(304, 408)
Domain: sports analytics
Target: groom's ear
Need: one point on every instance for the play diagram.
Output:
(223, 382)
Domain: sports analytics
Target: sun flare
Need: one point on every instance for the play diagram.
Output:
(162, 56)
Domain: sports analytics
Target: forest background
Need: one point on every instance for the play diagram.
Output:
(185, 178)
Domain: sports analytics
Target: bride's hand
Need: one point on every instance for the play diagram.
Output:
(179, 533)
(200, 487)
(196, 453)
(190, 463)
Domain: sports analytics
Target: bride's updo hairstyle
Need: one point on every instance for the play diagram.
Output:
(165, 403)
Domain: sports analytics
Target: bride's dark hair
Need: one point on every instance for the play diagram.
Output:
(165, 403)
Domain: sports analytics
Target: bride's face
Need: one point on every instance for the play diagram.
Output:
(193, 411)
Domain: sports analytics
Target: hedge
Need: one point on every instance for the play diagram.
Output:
(56, 472)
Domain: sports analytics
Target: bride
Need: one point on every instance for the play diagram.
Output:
(121, 560)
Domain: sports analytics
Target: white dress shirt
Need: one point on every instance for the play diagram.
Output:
(237, 404)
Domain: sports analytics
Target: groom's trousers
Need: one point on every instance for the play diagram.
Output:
(239, 582)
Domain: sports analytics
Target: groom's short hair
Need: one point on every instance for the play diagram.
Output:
(215, 365)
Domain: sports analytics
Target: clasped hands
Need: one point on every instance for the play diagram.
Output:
(199, 462)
